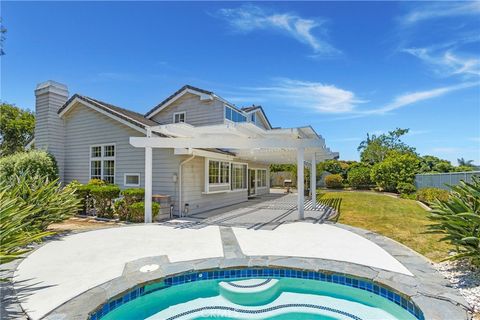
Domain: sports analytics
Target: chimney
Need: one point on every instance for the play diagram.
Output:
(49, 127)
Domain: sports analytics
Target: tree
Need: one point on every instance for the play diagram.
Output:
(465, 163)
(397, 168)
(16, 128)
(375, 148)
(434, 164)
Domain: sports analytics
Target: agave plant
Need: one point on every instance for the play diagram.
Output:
(458, 218)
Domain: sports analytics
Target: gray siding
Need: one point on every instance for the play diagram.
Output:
(198, 113)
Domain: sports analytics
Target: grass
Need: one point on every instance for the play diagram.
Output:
(399, 219)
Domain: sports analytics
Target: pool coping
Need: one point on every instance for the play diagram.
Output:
(427, 288)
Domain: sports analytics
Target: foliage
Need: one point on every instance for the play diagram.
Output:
(465, 163)
(103, 197)
(336, 167)
(458, 219)
(334, 181)
(31, 163)
(429, 195)
(464, 168)
(433, 164)
(406, 188)
(97, 182)
(130, 196)
(375, 149)
(137, 211)
(283, 167)
(359, 177)
(395, 169)
(16, 128)
(28, 205)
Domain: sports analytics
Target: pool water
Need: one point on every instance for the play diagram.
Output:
(259, 298)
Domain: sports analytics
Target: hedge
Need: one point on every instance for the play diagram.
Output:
(103, 197)
(32, 163)
(137, 211)
(359, 177)
(334, 181)
(429, 195)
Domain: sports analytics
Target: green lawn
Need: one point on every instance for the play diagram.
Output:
(402, 220)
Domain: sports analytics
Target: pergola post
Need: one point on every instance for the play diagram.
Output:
(313, 181)
(300, 183)
(148, 180)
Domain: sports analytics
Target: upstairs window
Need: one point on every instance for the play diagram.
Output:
(234, 115)
(102, 163)
(253, 118)
(179, 117)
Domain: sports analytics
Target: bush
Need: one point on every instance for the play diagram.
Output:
(411, 196)
(133, 195)
(406, 188)
(97, 182)
(429, 195)
(359, 177)
(395, 169)
(458, 219)
(334, 181)
(137, 211)
(103, 197)
(31, 163)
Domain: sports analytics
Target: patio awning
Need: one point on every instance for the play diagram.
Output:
(246, 140)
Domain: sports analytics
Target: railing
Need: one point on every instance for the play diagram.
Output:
(443, 180)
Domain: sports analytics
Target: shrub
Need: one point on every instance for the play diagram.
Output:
(83, 193)
(103, 196)
(429, 195)
(359, 177)
(97, 182)
(334, 181)
(133, 195)
(458, 219)
(137, 211)
(396, 168)
(411, 196)
(31, 163)
(406, 188)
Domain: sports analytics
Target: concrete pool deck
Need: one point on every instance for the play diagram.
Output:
(69, 277)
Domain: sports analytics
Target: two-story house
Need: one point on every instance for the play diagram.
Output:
(91, 139)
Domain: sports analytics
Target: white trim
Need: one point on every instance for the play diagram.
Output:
(184, 117)
(101, 159)
(203, 96)
(202, 153)
(131, 174)
(108, 114)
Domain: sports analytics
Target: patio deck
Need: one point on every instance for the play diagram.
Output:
(267, 211)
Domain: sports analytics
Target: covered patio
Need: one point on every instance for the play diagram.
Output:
(266, 212)
(248, 142)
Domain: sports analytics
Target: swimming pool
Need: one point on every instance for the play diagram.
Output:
(260, 293)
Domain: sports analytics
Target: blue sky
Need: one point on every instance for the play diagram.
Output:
(346, 68)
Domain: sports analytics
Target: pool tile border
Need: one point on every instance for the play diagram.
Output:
(243, 273)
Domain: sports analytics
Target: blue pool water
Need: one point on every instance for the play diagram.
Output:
(271, 295)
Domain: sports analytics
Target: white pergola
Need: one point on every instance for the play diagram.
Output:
(247, 141)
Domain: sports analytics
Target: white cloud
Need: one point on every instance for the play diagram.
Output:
(330, 99)
(414, 97)
(248, 18)
(311, 95)
(447, 63)
(441, 10)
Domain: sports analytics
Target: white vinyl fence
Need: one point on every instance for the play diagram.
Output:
(442, 180)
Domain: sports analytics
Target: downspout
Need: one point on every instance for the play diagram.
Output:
(180, 211)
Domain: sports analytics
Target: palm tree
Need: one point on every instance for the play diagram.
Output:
(466, 163)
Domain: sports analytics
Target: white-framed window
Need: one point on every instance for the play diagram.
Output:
(239, 176)
(179, 117)
(234, 115)
(218, 172)
(262, 178)
(131, 179)
(102, 162)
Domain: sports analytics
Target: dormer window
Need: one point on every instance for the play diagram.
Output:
(234, 115)
(179, 117)
(253, 118)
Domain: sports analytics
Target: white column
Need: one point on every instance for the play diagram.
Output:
(313, 181)
(300, 183)
(148, 184)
